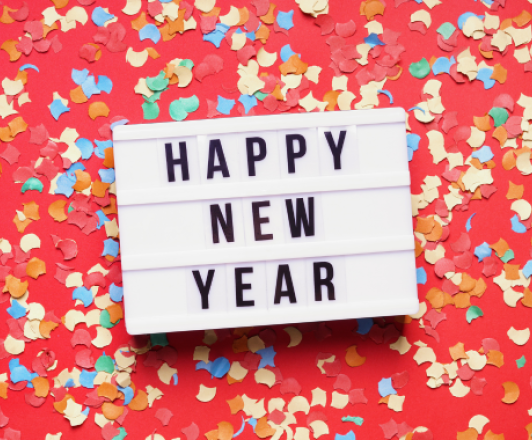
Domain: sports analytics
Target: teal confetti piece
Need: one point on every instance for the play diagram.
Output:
(472, 313)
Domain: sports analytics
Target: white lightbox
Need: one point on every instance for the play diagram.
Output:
(265, 220)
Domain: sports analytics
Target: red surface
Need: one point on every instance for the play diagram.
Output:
(435, 409)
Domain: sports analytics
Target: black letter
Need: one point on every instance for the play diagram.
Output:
(327, 281)
(215, 149)
(291, 154)
(240, 287)
(204, 288)
(300, 219)
(284, 272)
(227, 225)
(258, 220)
(336, 150)
(171, 162)
(252, 158)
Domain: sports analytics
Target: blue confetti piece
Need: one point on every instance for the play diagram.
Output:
(482, 251)
(150, 32)
(100, 17)
(219, 367)
(120, 122)
(64, 186)
(468, 223)
(57, 108)
(373, 40)
(349, 436)
(19, 373)
(28, 66)
(387, 93)
(16, 310)
(416, 108)
(484, 75)
(86, 148)
(128, 394)
(202, 365)
(86, 378)
(223, 28)
(421, 275)
(105, 84)
(364, 325)
(159, 339)
(225, 105)
(253, 423)
(86, 411)
(241, 430)
(83, 294)
(517, 226)
(385, 387)
(418, 1)
(101, 147)
(412, 141)
(248, 102)
(484, 154)
(463, 18)
(101, 218)
(214, 37)
(267, 357)
(176, 380)
(442, 65)
(116, 293)
(79, 76)
(75, 166)
(410, 153)
(107, 175)
(89, 87)
(110, 247)
(286, 52)
(70, 383)
(251, 36)
(284, 20)
(527, 269)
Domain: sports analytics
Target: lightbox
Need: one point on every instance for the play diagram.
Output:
(265, 220)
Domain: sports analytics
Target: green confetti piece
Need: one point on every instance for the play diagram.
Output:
(420, 70)
(155, 97)
(156, 83)
(499, 115)
(70, 209)
(473, 312)
(509, 255)
(446, 30)
(190, 104)
(187, 63)
(260, 95)
(105, 363)
(159, 339)
(151, 110)
(177, 110)
(105, 320)
(120, 436)
(32, 184)
(521, 362)
(356, 420)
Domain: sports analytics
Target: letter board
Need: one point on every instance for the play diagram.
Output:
(265, 220)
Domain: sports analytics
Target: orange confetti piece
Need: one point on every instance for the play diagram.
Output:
(152, 53)
(165, 33)
(112, 411)
(505, 24)
(98, 188)
(436, 232)
(435, 297)
(61, 405)
(108, 390)
(139, 402)
(41, 386)
(111, 208)
(23, 76)
(225, 431)
(35, 268)
(263, 429)
(15, 287)
(500, 247)
(293, 65)
(468, 283)
(495, 358)
(77, 95)
(277, 94)
(352, 358)
(511, 271)
(57, 210)
(213, 12)
(468, 434)
(6, 18)
(486, 54)
(60, 3)
(370, 8)
(396, 77)
(499, 74)
(490, 435)
(83, 181)
(17, 126)
(458, 352)
(263, 34)
(31, 210)
(46, 328)
(424, 225)
(515, 192)
(332, 98)
(527, 298)
(522, 19)
(212, 435)
(115, 313)
(3, 390)
(244, 16)
(508, 160)
(21, 225)
(511, 392)
(97, 109)
(109, 160)
(240, 345)
(269, 18)
(236, 404)
(482, 122)
(462, 300)
(419, 249)
(231, 380)
(479, 289)
(139, 22)
(10, 47)
(500, 134)
(47, 29)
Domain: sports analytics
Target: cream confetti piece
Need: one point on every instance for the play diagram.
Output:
(264, 376)
(319, 397)
(396, 402)
(206, 394)
(266, 59)
(30, 241)
(478, 422)
(458, 389)
(136, 59)
(319, 428)
(339, 400)
(295, 336)
(132, 7)
(519, 337)
(401, 345)
(103, 337)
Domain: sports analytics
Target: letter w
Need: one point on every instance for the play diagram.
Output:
(301, 219)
